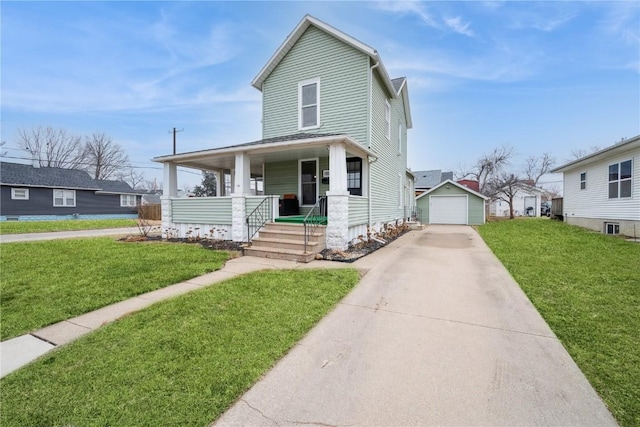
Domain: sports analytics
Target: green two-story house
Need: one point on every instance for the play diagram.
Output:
(334, 142)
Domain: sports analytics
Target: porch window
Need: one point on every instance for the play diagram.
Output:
(64, 198)
(620, 180)
(309, 103)
(309, 181)
(354, 176)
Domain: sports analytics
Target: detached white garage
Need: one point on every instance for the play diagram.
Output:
(451, 203)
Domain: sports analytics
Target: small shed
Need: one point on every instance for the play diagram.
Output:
(451, 203)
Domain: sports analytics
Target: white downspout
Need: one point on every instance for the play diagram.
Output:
(370, 133)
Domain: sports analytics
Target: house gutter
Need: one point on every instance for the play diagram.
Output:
(370, 133)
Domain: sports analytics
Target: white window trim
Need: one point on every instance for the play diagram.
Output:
(387, 119)
(581, 180)
(620, 180)
(14, 197)
(400, 138)
(127, 198)
(64, 198)
(300, 86)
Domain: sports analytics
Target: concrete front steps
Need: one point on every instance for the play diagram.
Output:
(286, 241)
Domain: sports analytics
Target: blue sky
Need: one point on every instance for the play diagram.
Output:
(541, 76)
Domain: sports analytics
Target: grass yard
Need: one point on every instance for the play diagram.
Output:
(49, 281)
(587, 287)
(181, 362)
(16, 227)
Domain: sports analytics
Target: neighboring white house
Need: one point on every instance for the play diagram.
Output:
(602, 190)
(525, 203)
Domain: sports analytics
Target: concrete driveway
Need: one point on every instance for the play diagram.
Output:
(436, 333)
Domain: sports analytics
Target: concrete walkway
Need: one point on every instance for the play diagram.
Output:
(19, 351)
(436, 333)
(30, 237)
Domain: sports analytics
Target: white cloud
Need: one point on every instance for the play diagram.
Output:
(409, 8)
(457, 25)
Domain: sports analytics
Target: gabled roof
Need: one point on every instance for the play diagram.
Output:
(29, 176)
(400, 85)
(117, 187)
(460, 186)
(428, 179)
(621, 146)
(295, 35)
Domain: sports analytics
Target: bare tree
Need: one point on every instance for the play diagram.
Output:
(55, 148)
(488, 167)
(535, 167)
(135, 179)
(582, 152)
(505, 187)
(103, 157)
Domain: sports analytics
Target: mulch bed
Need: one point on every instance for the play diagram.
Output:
(351, 254)
(357, 251)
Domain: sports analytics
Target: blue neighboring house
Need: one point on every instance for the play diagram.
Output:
(29, 193)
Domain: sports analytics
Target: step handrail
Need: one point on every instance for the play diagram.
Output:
(259, 217)
(312, 221)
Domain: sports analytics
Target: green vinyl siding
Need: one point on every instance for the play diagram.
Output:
(342, 71)
(390, 168)
(358, 210)
(281, 178)
(475, 204)
(202, 210)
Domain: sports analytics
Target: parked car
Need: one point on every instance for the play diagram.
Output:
(545, 209)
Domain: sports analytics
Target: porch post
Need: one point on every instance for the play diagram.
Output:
(219, 177)
(241, 188)
(337, 199)
(169, 189)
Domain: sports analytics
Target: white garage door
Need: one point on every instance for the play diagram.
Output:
(448, 210)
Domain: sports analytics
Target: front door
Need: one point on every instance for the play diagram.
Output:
(309, 181)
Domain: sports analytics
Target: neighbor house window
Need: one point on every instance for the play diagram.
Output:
(583, 181)
(387, 120)
(354, 176)
(620, 180)
(64, 198)
(309, 102)
(20, 194)
(127, 200)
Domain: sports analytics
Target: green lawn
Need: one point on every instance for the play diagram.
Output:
(46, 282)
(181, 362)
(587, 287)
(15, 227)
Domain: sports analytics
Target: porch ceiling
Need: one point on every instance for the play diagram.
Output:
(224, 158)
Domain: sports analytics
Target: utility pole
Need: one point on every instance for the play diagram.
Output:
(174, 138)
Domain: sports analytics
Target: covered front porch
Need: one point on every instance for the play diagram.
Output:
(323, 179)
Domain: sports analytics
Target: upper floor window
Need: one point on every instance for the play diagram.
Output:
(620, 180)
(309, 103)
(400, 138)
(66, 198)
(127, 200)
(387, 119)
(20, 194)
(583, 181)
